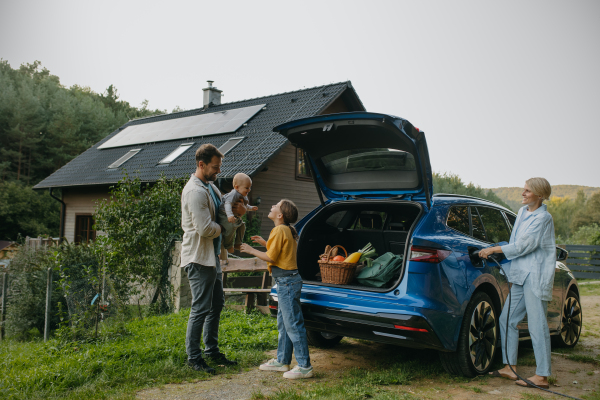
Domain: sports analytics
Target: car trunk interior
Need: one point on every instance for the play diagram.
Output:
(353, 224)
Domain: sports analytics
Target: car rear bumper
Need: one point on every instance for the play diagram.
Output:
(407, 330)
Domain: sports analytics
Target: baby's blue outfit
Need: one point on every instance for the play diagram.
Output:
(532, 252)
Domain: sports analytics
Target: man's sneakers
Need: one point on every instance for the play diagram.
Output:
(200, 365)
(274, 365)
(220, 359)
(299, 373)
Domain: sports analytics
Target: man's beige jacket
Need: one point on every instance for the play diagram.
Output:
(198, 216)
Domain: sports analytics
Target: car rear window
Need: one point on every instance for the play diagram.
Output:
(370, 159)
(494, 224)
(369, 220)
(458, 218)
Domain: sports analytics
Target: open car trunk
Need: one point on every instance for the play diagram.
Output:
(387, 225)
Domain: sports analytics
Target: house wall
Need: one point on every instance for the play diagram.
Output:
(280, 182)
(80, 201)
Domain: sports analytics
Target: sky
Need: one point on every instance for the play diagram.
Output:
(504, 91)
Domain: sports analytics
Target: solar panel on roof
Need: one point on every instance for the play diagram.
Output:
(181, 128)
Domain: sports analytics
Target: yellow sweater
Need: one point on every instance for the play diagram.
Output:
(281, 248)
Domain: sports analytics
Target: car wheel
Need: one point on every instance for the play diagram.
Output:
(477, 340)
(323, 339)
(570, 323)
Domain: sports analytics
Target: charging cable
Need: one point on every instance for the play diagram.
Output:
(493, 257)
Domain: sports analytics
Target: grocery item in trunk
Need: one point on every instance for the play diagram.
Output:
(336, 272)
(382, 270)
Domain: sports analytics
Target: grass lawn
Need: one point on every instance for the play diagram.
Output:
(151, 352)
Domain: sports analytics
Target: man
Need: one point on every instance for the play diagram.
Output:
(200, 250)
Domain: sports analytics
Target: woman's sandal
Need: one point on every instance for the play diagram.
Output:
(498, 374)
(527, 383)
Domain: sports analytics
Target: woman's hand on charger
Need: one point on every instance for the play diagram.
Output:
(485, 253)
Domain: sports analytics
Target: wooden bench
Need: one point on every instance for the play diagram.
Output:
(239, 284)
(583, 261)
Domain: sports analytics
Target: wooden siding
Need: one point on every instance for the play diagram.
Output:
(80, 201)
(280, 182)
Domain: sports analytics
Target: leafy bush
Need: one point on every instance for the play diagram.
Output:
(451, 183)
(26, 307)
(142, 222)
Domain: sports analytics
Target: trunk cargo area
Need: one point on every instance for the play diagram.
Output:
(385, 224)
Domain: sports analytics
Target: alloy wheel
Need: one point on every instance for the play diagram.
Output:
(482, 336)
(571, 321)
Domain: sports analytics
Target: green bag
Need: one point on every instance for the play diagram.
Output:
(381, 272)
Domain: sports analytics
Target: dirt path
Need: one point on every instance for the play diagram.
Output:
(572, 377)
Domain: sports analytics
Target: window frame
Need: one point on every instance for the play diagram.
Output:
(299, 176)
(91, 233)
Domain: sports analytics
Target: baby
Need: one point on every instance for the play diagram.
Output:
(234, 227)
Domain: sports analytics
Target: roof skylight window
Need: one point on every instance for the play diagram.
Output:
(123, 159)
(176, 153)
(230, 144)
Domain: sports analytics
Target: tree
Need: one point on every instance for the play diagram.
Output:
(587, 214)
(451, 183)
(25, 212)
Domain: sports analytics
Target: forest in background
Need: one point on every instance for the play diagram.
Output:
(512, 195)
(44, 125)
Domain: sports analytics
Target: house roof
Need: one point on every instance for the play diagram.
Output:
(4, 244)
(250, 156)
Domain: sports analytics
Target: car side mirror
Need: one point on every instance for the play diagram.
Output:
(561, 254)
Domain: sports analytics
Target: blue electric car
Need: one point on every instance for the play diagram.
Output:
(373, 176)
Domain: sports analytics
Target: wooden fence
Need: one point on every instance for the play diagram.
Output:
(584, 261)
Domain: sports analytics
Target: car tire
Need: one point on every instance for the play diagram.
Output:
(570, 323)
(476, 346)
(323, 340)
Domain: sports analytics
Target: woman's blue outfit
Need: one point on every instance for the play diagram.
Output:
(532, 252)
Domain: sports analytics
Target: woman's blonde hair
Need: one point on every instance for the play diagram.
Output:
(540, 187)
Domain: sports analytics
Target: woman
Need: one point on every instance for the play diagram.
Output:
(281, 262)
(532, 252)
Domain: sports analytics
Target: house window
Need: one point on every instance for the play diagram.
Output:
(84, 231)
(124, 158)
(230, 144)
(302, 171)
(176, 153)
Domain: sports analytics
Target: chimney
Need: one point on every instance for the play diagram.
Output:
(212, 95)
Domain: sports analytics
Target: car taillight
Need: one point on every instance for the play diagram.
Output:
(427, 254)
(410, 328)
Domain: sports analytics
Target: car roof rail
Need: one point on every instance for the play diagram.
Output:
(464, 196)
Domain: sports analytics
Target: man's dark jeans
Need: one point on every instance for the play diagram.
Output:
(208, 300)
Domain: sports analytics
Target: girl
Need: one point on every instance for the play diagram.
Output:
(281, 262)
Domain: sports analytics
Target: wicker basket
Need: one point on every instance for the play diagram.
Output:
(336, 272)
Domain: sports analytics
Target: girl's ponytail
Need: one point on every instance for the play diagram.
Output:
(290, 215)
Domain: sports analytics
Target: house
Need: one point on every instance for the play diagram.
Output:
(8, 250)
(166, 144)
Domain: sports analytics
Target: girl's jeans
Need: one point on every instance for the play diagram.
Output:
(290, 322)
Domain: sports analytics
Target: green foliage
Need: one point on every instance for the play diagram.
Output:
(252, 221)
(451, 183)
(24, 212)
(25, 312)
(563, 211)
(588, 214)
(141, 222)
(151, 353)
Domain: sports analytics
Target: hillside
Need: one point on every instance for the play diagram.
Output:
(512, 195)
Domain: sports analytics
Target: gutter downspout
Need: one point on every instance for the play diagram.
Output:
(63, 211)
